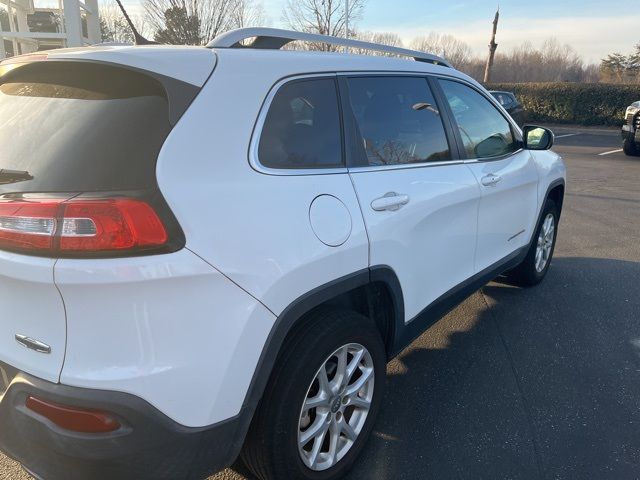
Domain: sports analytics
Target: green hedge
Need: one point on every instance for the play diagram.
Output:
(575, 103)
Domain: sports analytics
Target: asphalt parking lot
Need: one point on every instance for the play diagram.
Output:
(542, 383)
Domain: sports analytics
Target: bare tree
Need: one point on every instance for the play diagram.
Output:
(248, 14)
(492, 48)
(327, 17)
(447, 46)
(552, 62)
(384, 38)
(189, 22)
(113, 26)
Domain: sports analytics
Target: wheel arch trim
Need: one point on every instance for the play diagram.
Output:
(297, 309)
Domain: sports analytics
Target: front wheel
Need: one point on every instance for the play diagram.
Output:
(535, 265)
(630, 147)
(321, 401)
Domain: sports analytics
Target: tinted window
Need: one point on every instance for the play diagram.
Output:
(78, 127)
(484, 131)
(398, 120)
(302, 128)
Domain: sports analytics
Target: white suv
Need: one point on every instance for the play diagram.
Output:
(213, 252)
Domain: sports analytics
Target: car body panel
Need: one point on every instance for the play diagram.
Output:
(247, 225)
(506, 216)
(430, 241)
(30, 305)
(169, 329)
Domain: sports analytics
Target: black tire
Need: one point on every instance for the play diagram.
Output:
(526, 274)
(630, 147)
(271, 448)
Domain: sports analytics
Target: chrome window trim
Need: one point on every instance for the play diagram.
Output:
(382, 168)
(494, 159)
(254, 144)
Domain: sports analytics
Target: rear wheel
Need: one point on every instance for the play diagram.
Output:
(630, 147)
(536, 264)
(321, 402)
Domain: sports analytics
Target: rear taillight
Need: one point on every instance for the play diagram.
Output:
(78, 226)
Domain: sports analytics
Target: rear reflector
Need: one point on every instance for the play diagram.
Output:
(79, 225)
(74, 419)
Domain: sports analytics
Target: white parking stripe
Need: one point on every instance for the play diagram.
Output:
(609, 153)
(567, 135)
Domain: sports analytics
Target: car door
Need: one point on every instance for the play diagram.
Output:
(506, 173)
(418, 199)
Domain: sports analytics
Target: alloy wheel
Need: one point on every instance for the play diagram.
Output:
(336, 407)
(545, 242)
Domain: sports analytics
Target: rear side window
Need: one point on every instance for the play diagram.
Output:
(79, 126)
(398, 121)
(484, 131)
(302, 128)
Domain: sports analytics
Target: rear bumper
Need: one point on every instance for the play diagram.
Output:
(148, 446)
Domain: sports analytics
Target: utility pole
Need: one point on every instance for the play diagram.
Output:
(492, 48)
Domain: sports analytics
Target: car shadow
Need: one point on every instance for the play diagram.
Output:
(520, 384)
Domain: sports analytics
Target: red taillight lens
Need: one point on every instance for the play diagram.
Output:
(120, 224)
(74, 419)
(80, 225)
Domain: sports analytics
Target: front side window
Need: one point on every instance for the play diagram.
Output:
(302, 128)
(398, 121)
(484, 131)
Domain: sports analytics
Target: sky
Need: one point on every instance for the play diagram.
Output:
(594, 28)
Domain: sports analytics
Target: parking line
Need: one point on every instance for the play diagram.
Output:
(609, 153)
(567, 135)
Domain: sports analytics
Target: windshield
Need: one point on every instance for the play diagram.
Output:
(80, 126)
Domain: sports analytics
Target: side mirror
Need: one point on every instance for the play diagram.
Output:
(537, 138)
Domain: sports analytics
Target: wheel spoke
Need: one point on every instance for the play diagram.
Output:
(317, 446)
(547, 224)
(340, 379)
(320, 400)
(359, 403)
(538, 259)
(354, 364)
(319, 427)
(334, 433)
(348, 431)
(367, 374)
(323, 380)
(549, 236)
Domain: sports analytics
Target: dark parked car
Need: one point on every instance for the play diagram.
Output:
(511, 104)
(631, 130)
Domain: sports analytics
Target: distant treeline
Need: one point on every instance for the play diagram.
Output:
(195, 22)
(575, 103)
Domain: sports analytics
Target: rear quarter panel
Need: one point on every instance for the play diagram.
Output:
(252, 226)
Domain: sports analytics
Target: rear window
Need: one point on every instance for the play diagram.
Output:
(80, 126)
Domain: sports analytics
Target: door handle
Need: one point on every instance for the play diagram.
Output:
(490, 180)
(391, 201)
